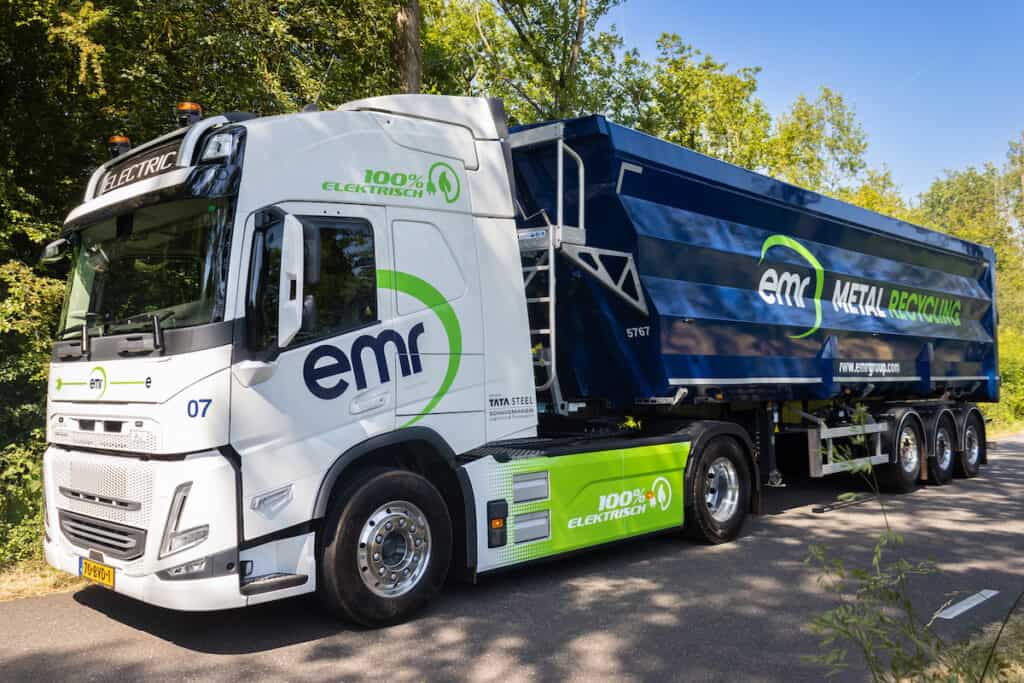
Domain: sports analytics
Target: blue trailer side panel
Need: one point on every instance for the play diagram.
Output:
(756, 289)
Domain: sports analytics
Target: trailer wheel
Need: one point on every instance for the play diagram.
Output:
(717, 492)
(974, 448)
(387, 547)
(940, 466)
(901, 476)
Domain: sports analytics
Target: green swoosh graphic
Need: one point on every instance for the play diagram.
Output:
(431, 298)
(819, 274)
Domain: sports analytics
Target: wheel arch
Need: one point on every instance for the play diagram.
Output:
(421, 450)
(707, 430)
(962, 427)
(899, 417)
(933, 421)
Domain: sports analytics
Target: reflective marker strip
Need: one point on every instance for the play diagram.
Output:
(959, 608)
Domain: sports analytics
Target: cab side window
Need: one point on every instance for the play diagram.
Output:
(340, 286)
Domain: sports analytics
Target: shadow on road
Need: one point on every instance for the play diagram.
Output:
(236, 631)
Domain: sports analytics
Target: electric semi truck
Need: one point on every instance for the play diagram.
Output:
(354, 352)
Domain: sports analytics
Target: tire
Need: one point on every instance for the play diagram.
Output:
(941, 463)
(404, 575)
(716, 492)
(969, 458)
(902, 476)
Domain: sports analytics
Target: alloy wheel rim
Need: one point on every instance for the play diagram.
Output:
(943, 449)
(909, 450)
(972, 446)
(722, 490)
(394, 549)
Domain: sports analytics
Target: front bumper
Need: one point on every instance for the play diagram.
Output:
(195, 595)
(145, 489)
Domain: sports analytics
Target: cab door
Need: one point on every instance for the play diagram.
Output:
(297, 404)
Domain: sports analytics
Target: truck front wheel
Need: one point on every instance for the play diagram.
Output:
(717, 492)
(387, 547)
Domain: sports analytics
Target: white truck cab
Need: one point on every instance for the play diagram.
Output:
(256, 303)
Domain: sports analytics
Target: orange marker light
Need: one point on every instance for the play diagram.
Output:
(187, 113)
(118, 145)
(497, 523)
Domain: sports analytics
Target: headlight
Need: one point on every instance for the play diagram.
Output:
(175, 541)
(218, 147)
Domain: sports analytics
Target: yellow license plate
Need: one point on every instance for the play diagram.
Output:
(96, 572)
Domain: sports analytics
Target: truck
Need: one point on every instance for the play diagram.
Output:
(356, 352)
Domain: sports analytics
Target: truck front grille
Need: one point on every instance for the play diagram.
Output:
(107, 487)
(116, 540)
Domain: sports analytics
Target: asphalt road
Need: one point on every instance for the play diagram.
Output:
(657, 609)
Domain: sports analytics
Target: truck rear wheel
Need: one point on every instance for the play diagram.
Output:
(901, 476)
(974, 447)
(940, 466)
(387, 547)
(716, 492)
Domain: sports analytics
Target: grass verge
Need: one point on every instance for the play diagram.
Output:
(1007, 665)
(995, 431)
(32, 578)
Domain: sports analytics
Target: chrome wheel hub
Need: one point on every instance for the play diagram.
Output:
(394, 549)
(972, 446)
(722, 490)
(909, 450)
(943, 449)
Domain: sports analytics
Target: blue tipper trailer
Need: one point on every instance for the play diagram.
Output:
(684, 288)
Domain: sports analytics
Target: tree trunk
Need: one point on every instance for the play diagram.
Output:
(408, 47)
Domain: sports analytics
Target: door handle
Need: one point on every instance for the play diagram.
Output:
(363, 404)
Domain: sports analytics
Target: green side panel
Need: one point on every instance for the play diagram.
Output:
(594, 498)
(658, 470)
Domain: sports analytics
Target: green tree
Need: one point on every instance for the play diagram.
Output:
(818, 144)
(974, 204)
(699, 104)
(877, 191)
(535, 54)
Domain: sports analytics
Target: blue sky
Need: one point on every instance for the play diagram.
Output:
(936, 85)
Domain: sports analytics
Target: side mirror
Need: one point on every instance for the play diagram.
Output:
(54, 251)
(289, 320)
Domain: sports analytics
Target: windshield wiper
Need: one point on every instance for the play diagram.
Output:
(144, 319)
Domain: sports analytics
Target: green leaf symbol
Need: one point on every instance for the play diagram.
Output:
(444, 184)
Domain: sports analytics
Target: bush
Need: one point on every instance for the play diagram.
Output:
(1008, 414)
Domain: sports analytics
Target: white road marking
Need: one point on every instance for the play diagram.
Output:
(955, 610)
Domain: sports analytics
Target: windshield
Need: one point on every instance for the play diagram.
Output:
(169, 260)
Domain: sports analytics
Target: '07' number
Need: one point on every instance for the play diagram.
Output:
(198, 408)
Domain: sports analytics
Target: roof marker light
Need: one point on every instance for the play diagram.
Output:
(118, 145)
(187, 113)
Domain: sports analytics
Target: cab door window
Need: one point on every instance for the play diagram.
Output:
(339, 286)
